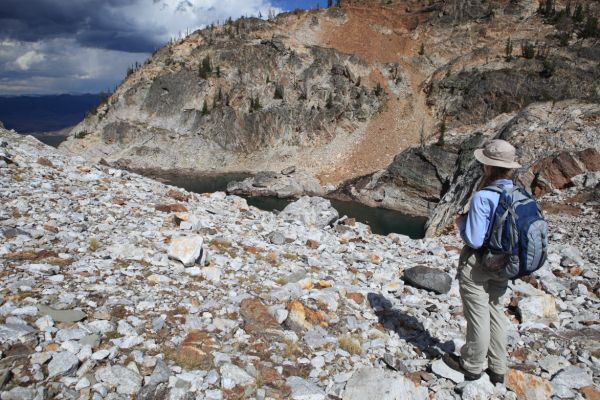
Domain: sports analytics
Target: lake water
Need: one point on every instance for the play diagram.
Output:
(51, 140)
(380, 220)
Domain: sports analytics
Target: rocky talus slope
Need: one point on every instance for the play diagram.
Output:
(114, 286)
(338, 92)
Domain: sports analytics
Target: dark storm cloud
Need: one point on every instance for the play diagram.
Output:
(61, 46)
(93, 23)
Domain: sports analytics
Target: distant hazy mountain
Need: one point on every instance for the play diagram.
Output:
(29, 114)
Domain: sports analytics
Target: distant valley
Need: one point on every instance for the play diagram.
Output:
(44, 114)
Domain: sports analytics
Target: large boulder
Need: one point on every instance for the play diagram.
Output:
(304, 390)
(428, 278)
(124, 379)
(289, 183)
(310, 211)
(186, 249)
(63, 363)
(381, 384)
(412, 184)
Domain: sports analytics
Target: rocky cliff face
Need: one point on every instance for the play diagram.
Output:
(338, 92)
(230, 93)
(555, 142)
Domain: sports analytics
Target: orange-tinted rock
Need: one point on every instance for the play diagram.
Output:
(271, 377)
(252, 249)
(312, 244)
(527, 386)
(555, 172)
(119, 202)
(323, 284)
(256, 317)
(357, 297)
(182, 216)
(177, 195)
(195, 352)
(52, 347)
(590, 393)
(51, 227)
(170, 207)
(45, 162)
(576, 271)
(375, 259)
(303, 318)
(349, 221)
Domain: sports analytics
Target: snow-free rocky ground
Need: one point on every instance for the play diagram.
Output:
(92, 306)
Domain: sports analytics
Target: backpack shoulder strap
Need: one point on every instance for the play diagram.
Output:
(493, 188)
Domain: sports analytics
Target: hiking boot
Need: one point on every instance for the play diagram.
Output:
(454, 362)
(494, 377)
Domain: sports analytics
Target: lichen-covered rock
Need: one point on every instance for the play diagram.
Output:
(527, 386)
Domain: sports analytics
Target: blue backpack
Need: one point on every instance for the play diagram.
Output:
(518, 238)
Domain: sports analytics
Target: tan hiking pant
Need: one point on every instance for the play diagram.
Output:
(481, 291)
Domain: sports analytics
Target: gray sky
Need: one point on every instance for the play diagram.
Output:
(85, 46)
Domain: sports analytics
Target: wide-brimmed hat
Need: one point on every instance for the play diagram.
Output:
(498, 153)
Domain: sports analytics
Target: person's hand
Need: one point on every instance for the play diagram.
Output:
(459, 220)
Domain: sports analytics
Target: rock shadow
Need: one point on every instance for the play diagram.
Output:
(407, 327)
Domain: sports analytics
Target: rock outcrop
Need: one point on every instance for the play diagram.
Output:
(289, 183)
(413, 183)
(555, 130)
(555, 142)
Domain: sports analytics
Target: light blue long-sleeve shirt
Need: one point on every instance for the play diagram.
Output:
(475, 227)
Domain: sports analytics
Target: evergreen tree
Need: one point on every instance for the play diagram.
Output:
(329, 3)
(205, 108)
(527, 49)
(591, 27)
(204, 70)
(278, 92)
(441, 141)
(206, 64)
(329, 102)
(508, 49)
(578, 14)
(255, 104)
(378, 89)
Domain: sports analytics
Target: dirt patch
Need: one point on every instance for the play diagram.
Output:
(557, 208)
(400, 122)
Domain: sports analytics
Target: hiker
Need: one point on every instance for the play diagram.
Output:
(482, 288)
